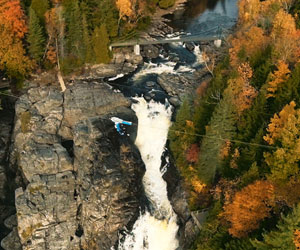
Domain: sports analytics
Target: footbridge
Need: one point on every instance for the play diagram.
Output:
(186, 38)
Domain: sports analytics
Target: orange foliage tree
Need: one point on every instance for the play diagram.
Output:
(242, 92)
(285, 37)
(52, 30)
(284, 131)
(297, 238)
(13, 57)
(249, 206)
(192, 153)
(225, 149)
(277, 78)
(246, 44)
(126, 9)
(248, 11)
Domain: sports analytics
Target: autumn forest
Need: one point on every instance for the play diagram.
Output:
(236, 142)
(42, 34)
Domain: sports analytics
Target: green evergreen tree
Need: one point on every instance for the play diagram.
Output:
(288, 92)
(241, 244)
(180, 135)
(101, 12)
(107, 13)
(74, 28)
(252, 119)
(40, 7)
(100, 41)
(213, 235)
(283, 237)
(205, 105)
(220, 129)
(35, 37)
(88, 53)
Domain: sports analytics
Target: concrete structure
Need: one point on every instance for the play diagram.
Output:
(138, 43)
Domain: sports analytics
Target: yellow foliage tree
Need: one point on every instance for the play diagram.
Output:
(285, 37)
(284, 131)
(245, 44)
(297, 238)
(248, 11)
(126, 9)
(242, 92)
(279, 76)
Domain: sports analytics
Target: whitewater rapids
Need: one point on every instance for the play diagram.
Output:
(156, 230)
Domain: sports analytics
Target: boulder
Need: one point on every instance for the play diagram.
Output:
(190, 46)
(150, 84)
(119, 58)
(11, 221)
(177, 85)
(150, 51)
(175, 101)
(12, 241)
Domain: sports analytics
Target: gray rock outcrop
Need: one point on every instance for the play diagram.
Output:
(177, 86)
(107, 173)
(84, 179)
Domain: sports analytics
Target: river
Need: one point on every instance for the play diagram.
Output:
(156, 228)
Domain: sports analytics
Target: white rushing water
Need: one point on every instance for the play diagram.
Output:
(198, 54)
(155, 231)
(158, 68)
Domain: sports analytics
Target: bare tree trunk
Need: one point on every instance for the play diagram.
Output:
(59, 75)
(61, 32)
(47, 46)
(119, 25)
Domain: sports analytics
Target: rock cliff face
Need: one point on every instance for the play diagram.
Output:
(83, 178)
(7, 184)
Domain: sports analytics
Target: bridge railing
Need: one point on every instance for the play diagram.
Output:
(186, 38)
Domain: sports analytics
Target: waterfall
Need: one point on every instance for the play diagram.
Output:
(198, 54)
(155, 230)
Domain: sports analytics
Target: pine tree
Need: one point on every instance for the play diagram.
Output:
(239, 244)
(88, 53)
(108, 16)
(40, 7)
(284, 237)
(179, 140)
(220, 129)
(100, 42)
(74, 29)
(35, 37)
(288, 91)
